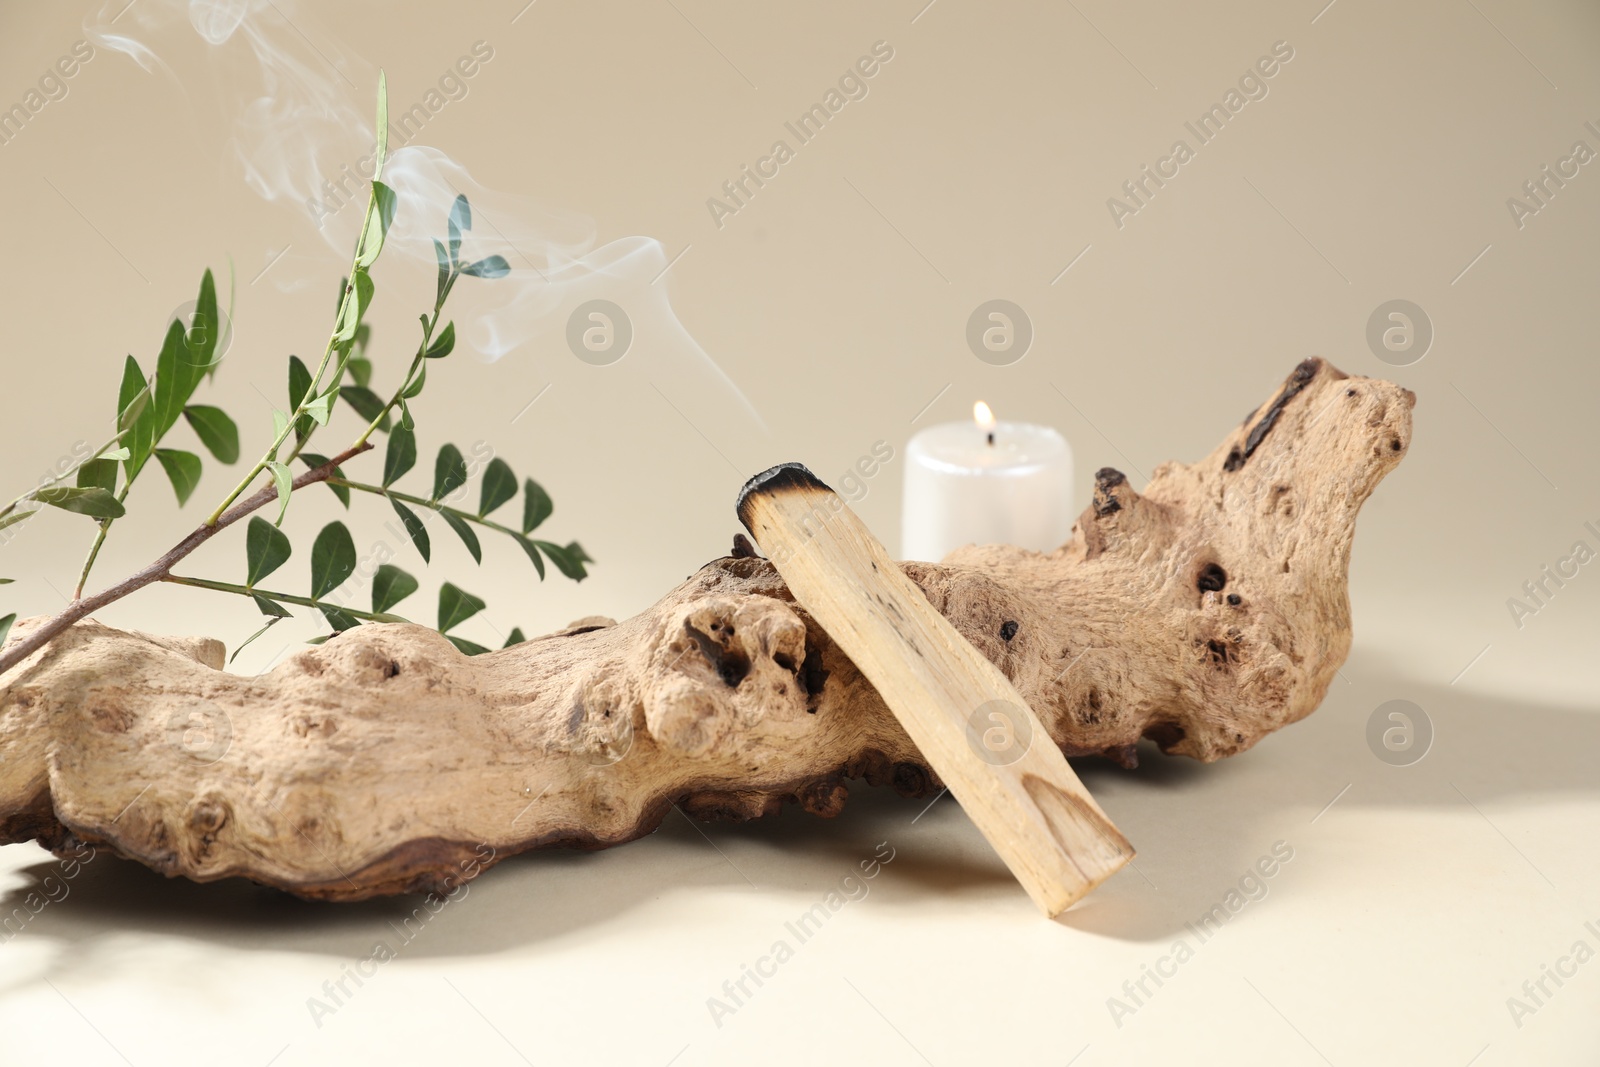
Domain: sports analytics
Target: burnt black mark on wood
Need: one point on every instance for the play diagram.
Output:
(742, 548)
(1234, 599)
(392, 669)
(1219, 652)
(731, 664)
(1008, 630)
(782, 478)
(1107, 479)
(1211, 579)
(1297, 381)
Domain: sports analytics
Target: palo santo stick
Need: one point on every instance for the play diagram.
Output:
(965, 717)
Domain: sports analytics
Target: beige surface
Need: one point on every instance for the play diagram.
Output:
(977, 167)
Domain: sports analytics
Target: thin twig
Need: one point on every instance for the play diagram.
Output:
(424, 502)
(287, 598)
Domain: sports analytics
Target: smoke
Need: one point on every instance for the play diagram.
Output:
(294, 108)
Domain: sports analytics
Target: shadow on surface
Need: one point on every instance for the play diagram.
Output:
(1198, 828)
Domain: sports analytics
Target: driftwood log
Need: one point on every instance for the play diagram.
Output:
(1203, 614)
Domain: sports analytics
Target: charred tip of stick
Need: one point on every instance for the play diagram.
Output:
(785, 476)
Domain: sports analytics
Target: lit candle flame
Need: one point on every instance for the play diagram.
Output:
(983, 417)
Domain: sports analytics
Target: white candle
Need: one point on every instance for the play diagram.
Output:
(986, 482)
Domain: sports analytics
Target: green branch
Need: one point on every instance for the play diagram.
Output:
(285, 598)
(424, 502)
(271, 455)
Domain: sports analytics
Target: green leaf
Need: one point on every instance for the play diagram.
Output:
(312, 460)
(414, 528)
(488, 267)
(413, 388)
(499, 485)
(400, 456)
(351, 310)
(205, 328)
(444, 344)
(377, 225)
(299, 382)
(444, 271)
(344, 327)
(364, 290)
(284, 480)
(265, 549)
(271, 608)
(405, 415)
(461, 213)
(449, 472)
(5, 626)
(184, 360)
(17, 516)
(568, 560)
(333, 559)
(516, 638)
(6, 581)
(272, 621)
(533, 554)
(99, 472)
(183, 470)
(360, 369)
(367, 403)
(456, 606)
(299, 386)
(536, 505)
(94, 502)
(463, 531)
(135, 418)
(318, 411)
(339, 620)
(390, 586)
(115, 454)
(215, 430)
(467, 648)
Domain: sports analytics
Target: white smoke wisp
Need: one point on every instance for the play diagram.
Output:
(556, 267)
(296, 111)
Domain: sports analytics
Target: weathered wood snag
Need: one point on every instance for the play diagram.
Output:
(1203, 613)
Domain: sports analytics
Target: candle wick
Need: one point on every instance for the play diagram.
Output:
(991, 438)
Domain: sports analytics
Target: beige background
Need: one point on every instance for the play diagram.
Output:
(977, 167)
